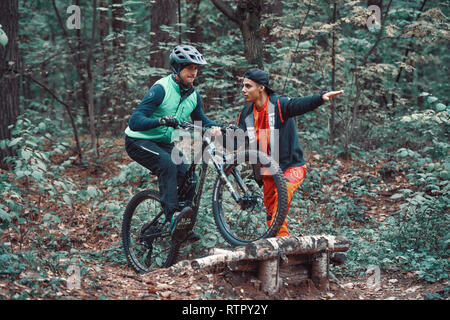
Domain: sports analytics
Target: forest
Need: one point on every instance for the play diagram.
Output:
(72, 72)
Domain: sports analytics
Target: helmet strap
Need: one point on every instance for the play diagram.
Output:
(181, 83)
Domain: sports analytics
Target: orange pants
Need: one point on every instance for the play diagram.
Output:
(294, 177)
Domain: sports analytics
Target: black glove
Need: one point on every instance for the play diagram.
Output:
(169, 121)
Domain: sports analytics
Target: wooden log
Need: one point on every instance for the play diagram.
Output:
(295, 259)
(269, 248)
(319, 271)
(180, 267)
(294, 274)
(236, 255)
(269, 275)
(243, 265)
(293, 250)
(214, 251)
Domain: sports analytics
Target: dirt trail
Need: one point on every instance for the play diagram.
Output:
(119, 283)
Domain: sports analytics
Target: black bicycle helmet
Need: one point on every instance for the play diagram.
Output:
(184, 55)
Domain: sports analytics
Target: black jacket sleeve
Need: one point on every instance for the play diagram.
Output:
(141, 119)
(297, 106)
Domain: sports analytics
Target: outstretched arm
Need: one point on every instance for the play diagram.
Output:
(330, 95)
(297, 106)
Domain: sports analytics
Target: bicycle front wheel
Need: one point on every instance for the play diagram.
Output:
(246, 221)
(146, 243)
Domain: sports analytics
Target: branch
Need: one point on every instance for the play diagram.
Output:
(68, 109)
(61, 25)
(226, 10)
(383, 22)
(298, 43)
(43, 86)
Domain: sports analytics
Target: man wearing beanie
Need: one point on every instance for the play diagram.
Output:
(266, 114)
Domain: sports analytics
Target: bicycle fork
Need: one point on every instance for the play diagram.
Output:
(223, 176)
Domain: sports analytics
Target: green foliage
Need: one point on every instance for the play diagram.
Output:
(397, 128)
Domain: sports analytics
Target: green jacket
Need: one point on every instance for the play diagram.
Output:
(145, 125)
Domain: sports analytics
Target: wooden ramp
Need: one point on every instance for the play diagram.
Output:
(294, 257)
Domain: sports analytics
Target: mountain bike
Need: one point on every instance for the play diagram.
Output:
(237, 202)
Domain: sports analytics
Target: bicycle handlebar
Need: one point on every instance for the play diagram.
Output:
(191, 126)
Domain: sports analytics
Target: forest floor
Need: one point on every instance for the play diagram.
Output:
(119, 282)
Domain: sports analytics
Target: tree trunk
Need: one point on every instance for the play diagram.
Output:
(274, 10)
(81, 69)
(331, 123)
(249, 13)
(196, 36)
(119, 85)
(103, 29)
(118, 26)
(9, 78)
(247, 16)
(91, 81)
(163, 12)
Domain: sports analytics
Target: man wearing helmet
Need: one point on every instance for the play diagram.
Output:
(149, 133)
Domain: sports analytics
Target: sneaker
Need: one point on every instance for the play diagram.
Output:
(180, 223)
(193, 237)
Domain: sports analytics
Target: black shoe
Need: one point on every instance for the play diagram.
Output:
(193, 237)
(181, 223)
(338, 258)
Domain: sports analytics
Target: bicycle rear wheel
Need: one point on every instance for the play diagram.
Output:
(245, 222)
(146, 244)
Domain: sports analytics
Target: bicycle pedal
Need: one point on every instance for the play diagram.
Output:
(181, 223)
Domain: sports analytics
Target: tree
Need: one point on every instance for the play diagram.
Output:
(247, 16)
(9, 77)
(163, 12)
(272, 16)
(91, 81)
(118, 26)
(103, 30)
(193, 21)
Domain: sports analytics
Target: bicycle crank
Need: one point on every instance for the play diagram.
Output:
(148, 234)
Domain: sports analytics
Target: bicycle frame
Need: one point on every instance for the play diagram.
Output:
(210, 149)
